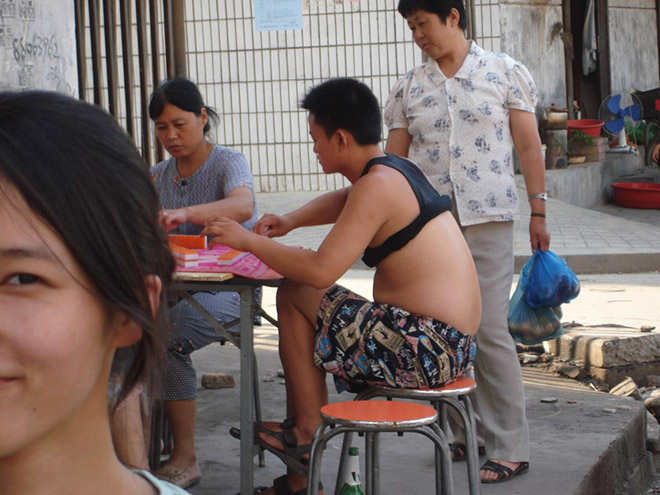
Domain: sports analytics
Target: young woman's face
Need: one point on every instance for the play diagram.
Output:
(179, 131)
(55, 336)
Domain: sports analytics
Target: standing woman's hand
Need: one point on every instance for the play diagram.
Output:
(539, 236)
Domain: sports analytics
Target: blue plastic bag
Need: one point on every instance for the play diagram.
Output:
(551, 282)
(529, 325)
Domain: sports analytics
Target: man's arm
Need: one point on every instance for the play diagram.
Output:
(528, 146)
(320, 211)
(398, 142)
(363, 214)
(237, 205)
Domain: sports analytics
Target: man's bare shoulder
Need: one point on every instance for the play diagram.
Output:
(380, 177)
(377, 196)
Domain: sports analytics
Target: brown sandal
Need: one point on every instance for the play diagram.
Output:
(292, 453)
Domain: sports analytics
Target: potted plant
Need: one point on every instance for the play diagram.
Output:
(578, 142)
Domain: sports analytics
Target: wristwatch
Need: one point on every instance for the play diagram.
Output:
(543, 196)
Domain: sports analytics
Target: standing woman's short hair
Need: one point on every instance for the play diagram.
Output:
(181, 93)
(78, 171)
(442, 8)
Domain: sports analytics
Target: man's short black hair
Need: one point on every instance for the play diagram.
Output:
(442, 8)
(345, 103)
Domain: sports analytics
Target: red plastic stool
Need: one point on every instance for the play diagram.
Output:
(373, 418)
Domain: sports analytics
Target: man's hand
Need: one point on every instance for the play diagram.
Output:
(227, 232)
(655, 154)
(539, 235)
(171, 219)
(272, 225)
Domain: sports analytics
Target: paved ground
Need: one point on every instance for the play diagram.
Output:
(588, 446)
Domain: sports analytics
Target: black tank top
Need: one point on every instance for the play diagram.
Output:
(431, 204)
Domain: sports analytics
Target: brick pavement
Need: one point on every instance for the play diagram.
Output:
(608, 239)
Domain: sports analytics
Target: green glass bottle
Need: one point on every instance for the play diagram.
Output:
(352, 485)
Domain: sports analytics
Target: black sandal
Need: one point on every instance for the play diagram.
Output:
(458, 451)
(503, 472)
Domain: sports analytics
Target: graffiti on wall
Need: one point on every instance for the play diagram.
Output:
(37, 45)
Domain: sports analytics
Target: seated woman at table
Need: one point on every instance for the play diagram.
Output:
(199, 182)
(83, 260)
(418, 332)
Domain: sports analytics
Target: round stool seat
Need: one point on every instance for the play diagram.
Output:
(373, 417)
(461, 386)
(378, 414)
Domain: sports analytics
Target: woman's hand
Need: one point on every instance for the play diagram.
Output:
(272, 225)
(227, 232)
(539, 236)
(171, 219)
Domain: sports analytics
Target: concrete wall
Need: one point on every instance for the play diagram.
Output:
(530, 33)
(590, 184)
(633, 45)
(38, 46)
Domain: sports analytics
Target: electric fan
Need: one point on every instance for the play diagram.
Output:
(622, 114)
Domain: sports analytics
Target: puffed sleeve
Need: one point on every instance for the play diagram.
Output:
(395, 108)
(522, 94)
(236, 172)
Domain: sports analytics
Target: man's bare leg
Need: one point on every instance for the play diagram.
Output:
(297, 309)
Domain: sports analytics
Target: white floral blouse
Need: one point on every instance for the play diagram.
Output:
(460, 130)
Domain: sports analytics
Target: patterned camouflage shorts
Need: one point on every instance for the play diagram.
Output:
(363, 343)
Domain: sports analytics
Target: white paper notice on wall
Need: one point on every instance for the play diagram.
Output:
(278, 15)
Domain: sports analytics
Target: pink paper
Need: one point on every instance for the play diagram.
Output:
(248, 266)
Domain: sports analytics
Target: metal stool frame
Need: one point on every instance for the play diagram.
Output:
(454, 394)
(425, 424)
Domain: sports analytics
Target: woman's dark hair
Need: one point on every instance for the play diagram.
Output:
(442, 8)
(80, 173)
(181, 93)
(345, 103)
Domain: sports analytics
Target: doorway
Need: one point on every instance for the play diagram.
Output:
(589, 89)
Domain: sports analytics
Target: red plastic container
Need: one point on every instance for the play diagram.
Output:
(588, 126)
(637, 194)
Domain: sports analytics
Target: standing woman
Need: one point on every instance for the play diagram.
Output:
(459, 116)
(82, 264)
(201, 181)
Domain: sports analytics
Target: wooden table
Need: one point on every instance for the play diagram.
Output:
(187, 282)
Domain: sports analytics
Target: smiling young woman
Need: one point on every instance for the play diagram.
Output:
(83, 264)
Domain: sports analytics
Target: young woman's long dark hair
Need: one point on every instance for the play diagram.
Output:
(78, 170)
